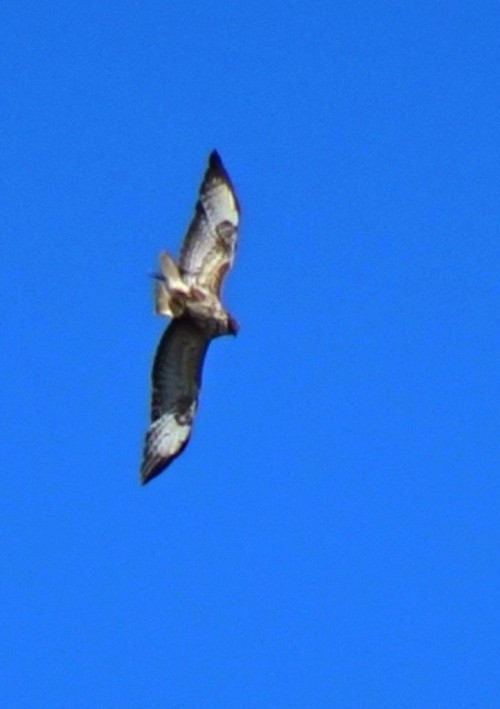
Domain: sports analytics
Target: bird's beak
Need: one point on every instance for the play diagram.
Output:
(234, 325)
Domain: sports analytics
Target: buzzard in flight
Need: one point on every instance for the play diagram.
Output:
(189, 293)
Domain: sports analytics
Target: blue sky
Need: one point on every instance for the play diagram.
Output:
(330, 536)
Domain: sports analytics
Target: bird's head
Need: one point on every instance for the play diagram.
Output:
(233, 325)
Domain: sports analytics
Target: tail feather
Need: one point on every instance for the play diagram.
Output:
(171, 273)
(170, 289)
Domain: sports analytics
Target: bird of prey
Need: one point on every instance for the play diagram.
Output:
(189, 292)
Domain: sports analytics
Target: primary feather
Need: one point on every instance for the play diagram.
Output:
(176, 380)
(210, 244)
(189, 294)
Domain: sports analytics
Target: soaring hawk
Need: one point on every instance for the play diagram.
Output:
(189, 293)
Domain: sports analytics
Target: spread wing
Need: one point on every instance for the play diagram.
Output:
(210, 244)
(176, 383)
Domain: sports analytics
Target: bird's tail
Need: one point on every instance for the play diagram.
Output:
(171, 274)
(170, 290)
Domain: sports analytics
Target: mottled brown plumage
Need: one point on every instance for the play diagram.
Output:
(189, 293)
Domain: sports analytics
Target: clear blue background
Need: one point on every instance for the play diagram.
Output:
(330, 537)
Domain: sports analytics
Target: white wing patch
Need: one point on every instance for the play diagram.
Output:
(206, 256)
(166, 439)
(208, 250)
(220, 205)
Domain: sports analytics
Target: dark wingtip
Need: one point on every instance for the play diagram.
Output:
(215, 165)
(146, 476)
(214, 160)
(148, 473)
(151, 469)
(216, 168)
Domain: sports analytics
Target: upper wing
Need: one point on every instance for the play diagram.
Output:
(210, 244)
(176, 382)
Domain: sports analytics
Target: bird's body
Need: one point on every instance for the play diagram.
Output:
(189, 293)
(174, 298)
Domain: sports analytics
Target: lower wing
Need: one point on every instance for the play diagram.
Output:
(176, 381)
